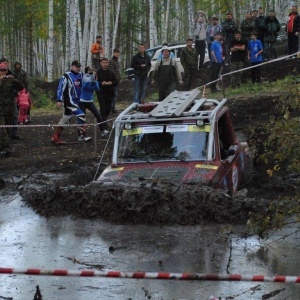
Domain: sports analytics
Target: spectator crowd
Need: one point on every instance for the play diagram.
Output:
(228, 43)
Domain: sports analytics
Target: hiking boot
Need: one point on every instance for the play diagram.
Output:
(83, 138)
(56, 140)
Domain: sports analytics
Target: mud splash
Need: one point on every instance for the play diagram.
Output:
(156, 203)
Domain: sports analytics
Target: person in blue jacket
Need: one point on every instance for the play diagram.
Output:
(89, 85)
(68, 95)
(255, 50)
(216, 61)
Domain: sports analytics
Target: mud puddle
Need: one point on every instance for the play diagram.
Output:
(29, 240)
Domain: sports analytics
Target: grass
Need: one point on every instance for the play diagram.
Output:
(281, 86)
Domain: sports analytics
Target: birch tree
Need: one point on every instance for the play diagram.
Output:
(68, 32)
(165, 8)
(93, 29)
(190, 11)
(73, 30)
(116, 25)
(107, 45)
(152, 33)
(177, 21)
(86, 32)
(50, 43)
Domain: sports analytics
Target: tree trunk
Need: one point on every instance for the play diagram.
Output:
(107, 43)
(73, 30)
(67, 37)
(116, 25)
(86, 32)
(152, 34)
(190, 18)
(50, 43)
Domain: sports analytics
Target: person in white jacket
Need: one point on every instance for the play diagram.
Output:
(200, 25)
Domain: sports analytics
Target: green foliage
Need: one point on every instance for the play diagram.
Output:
(42, 100)
(276, 144)
(275, 216)
(281, 147)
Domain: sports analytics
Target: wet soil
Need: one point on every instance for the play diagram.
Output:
(58, 180)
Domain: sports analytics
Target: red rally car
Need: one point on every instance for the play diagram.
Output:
(183, 138)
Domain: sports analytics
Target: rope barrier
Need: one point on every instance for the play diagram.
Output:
(55, 125)
(151, 275)
(251, 67)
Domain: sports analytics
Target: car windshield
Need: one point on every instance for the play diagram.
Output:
(163, 142)
(152, 51)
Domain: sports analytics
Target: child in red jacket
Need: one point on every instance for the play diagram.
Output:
(24, 103)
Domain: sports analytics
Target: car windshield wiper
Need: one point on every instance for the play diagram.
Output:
(168, 156)
(138, 157)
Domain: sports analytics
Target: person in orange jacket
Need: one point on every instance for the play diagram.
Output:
(97, 52)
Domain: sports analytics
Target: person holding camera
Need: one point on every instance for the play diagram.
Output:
(8, 86)
(200, 26)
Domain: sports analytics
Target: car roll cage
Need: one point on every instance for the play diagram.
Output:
(177, 106)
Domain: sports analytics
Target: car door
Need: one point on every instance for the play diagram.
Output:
(227, 152)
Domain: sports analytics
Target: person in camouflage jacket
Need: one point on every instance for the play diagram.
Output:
(20, 74)
(114, 65)
(229, 27)
(189, 61)
(247, 26)
(8, 86)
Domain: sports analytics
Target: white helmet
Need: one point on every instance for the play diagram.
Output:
(165, 48)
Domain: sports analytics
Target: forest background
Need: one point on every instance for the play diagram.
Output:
(46, 35)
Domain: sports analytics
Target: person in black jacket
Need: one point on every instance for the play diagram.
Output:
(141, 64)
(293, 29)
(107, 81)
(260, 26)
(272, 28)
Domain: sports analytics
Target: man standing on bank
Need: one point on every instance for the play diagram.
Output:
(107, 81)
(141, 64)
(293, 29)
(189, 61)
(166, 73)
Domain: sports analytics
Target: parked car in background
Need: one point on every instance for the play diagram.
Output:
(129, 72)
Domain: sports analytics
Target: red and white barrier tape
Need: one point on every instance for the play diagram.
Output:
(151, 275)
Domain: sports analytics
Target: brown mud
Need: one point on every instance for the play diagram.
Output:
(58, 180)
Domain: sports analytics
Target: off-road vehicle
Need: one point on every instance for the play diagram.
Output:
(183, 138)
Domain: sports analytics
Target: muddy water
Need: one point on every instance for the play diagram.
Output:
(29, 240)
